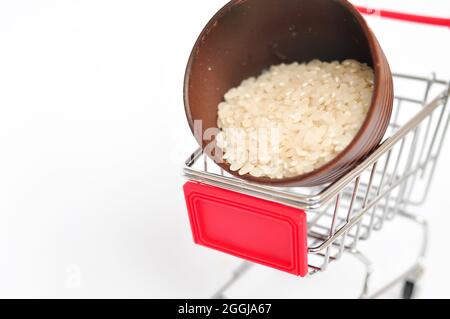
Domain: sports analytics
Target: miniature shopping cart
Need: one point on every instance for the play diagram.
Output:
(303, 230)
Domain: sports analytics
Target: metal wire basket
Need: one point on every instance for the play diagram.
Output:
(395, 176)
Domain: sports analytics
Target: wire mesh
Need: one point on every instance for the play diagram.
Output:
(397, 174)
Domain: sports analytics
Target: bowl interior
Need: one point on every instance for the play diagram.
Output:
(246, 37)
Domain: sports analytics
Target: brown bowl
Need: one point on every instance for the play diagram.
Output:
(247, 36)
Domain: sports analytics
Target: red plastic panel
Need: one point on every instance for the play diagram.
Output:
(251, 228)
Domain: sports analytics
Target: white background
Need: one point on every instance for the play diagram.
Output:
(93, 136)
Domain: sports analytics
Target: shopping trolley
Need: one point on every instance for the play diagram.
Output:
(303, 230)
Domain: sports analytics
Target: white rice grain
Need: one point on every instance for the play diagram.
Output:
(307, 113)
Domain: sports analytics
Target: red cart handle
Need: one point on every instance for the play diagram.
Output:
(406, 16)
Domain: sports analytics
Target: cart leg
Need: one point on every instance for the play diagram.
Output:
(409, 286)
(236, 275)
(413, 274)
(369, 270)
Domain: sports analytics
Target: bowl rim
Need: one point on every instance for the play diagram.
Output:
(298, 179)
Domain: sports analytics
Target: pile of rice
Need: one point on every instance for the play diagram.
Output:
(293, 118)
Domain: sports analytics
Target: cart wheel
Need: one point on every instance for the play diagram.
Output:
(408, 289)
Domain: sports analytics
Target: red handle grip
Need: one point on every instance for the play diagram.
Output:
(406, 17)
